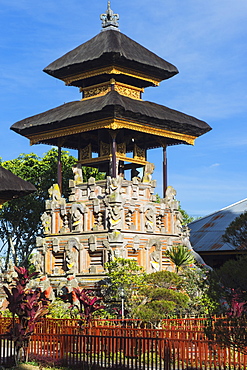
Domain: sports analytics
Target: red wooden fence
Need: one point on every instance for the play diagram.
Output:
(182, 345)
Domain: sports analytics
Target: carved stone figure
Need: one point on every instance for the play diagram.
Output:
(37, 260)
(115, 220)
(46, 222)
(170, 200)
(148, 171)
(77, 211)
(71, 259)
(149, 223)
(54, 193)
(178, 228)
(155, 260)
(77, 171)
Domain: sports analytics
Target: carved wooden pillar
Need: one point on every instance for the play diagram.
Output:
(59, 169)
(164, 170)
(114, 154)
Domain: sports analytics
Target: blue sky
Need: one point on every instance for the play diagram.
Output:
(206, 40)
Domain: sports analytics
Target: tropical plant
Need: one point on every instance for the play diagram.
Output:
(83, 303)
(181, 256)
(161, 295)
(124, 276)
(28, 305)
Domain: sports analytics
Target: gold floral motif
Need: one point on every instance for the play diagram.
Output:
(139, 153)
(86, 152)
(96, 91)
(121, 148)
(127, 91)
(105, 149)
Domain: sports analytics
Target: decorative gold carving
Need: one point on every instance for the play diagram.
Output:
(121, 148)
(96, 91)
(105, 149)
(112, 70)
(127, 91)
(113, 124)
(139, 153)
(86, 152)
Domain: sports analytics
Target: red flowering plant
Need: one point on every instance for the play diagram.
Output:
(85, 302)
(27, 306)
(230, 331)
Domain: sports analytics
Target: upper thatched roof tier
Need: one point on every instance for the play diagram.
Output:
(89, 63)
(111, 111)
(12, 186)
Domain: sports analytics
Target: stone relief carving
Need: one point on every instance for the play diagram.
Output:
(77, 216)
(71, 258)
(154, 244)
(136, 243)
(92, 243)
(37, 259)
(150, 218)
(178, 228)
(115, 217)
(46, 222)
(92, 188)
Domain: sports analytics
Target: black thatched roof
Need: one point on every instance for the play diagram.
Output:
(110, 48)
(12, 186)
(112, 105)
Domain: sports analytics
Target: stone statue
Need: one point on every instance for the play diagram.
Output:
(170, 200)
(77, 171)
(77, 211)
(37, 261)
(54, 193)
(148, 171)
(71, 259)
(149, 223)
(115, 220)
(46, 222)
(155, 260)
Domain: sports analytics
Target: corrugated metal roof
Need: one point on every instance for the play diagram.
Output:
(206, 233)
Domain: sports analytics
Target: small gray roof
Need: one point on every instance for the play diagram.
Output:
(12, 186)
(110, 47)
(206, 233)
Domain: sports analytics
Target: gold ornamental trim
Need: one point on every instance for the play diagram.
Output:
(95, 91)
(106, 158)
(113, 124)
(111, 70)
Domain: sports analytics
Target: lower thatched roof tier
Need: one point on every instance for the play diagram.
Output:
(12, 186)
(111, 111)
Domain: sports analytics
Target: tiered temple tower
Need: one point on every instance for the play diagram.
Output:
(112, 128)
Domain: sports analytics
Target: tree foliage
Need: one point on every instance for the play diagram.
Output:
(181, 256)
(20, 219)
(236, 232)
(122, 274)
(161, 295)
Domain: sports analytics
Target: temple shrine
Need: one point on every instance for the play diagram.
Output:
(112, 128)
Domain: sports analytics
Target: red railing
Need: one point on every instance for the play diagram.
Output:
(181, 345)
